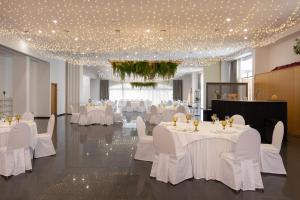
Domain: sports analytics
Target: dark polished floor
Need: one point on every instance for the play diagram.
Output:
(96, 162)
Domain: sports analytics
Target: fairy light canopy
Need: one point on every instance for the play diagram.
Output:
(197, 32)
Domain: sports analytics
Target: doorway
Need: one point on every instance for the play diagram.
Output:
(54, 98)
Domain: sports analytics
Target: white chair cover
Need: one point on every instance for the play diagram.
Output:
(85, 117)
(128, 107)
(240, 169)
(145, 148)
(109, 115)
(74, 117)
(44, 146)
(170, 163)
(238, 119)
(155, 117)
(181, 109)
(16, 157)
(271, 161)
(167, 115)
(180, 117)
(142, 107)
(27, 116)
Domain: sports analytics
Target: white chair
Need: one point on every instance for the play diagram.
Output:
(142, 107)
(155, 117)
(27, 116)
(145, 149)
(167, 115)
(128, 107)
(181, 109)
(240, 169)
(271, 161)
(238, 119)
(15, 158)
(74, 117)
(44, 146)
(109, 115)
(85, 117)
(180, 117)
(170, 164)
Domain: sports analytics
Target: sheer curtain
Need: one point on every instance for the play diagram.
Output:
(162, 92)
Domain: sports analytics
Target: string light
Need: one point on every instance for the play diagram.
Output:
(198, 32)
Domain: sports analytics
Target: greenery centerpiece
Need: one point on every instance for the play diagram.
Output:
(143, 84)
(146, 69)
(297, 47)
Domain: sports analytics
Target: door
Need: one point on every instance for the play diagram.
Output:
(53, 98)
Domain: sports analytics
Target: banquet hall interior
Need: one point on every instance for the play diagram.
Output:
(149, 99)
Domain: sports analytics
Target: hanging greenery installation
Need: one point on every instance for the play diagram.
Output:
(146, 69)
(143, 84)
(297, 47)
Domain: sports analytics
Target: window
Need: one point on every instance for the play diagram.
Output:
(246, 67)
(162, 92)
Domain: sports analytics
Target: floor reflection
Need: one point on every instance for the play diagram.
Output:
(96, 162)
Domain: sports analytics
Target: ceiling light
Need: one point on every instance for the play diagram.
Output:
(245, 30)
(160, 38)
(40, 31)
(245, 38)
(230, 30)
(76, 39)
(148, 30)
(53, 31)
(54, 21)
(29, 39)
(228, 19)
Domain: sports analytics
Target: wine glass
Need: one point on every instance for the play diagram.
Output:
(18, 117)
(230, 121)
(213, 118)
(188, 118)
(9, 119)
(196, 123)
(174, 120)
(227, 118)
(224, 122)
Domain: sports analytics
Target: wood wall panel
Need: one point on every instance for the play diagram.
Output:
(285, 84)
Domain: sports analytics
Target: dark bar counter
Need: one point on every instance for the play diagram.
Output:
(261, 115)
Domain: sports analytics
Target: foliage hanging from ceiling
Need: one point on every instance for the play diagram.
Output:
(297, 47)
(146, 69)
(143, 84)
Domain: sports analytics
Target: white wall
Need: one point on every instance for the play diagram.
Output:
(187, 85)
(211, 73)
(85, 92)
(95, 89)
(280, 53)
(39, 90)
(58, 76)
(6, 70)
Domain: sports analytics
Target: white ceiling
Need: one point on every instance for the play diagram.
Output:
(197, 32)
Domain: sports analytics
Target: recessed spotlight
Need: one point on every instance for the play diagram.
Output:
(231, 30)
(53, 31)
(54, 21)
(195, 48)
(124, 48)
(40, 31)
(245, 30)
(228, 19)
(245, 38)
(160, 38)
(76, 39)
(135, 53)
(148, 30)
(29, 39)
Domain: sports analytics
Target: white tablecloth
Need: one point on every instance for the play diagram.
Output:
(5, 128)
(161, 109)
(206, 145)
